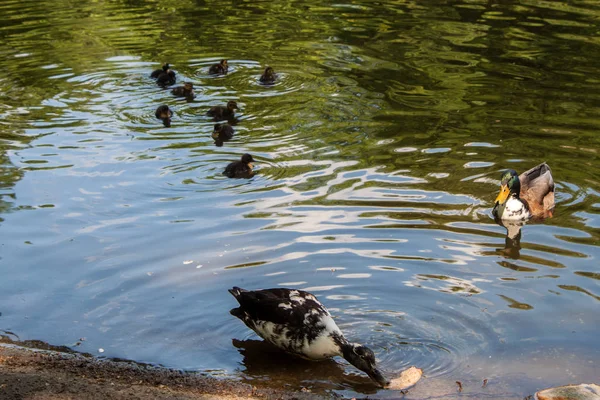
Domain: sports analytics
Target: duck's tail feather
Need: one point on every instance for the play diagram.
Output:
(537, 171)
(236, 291)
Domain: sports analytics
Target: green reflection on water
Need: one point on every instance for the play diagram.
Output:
(395, 115)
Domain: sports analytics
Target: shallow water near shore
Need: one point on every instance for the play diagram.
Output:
(378, 156)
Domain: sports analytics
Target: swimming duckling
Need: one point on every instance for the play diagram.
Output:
(159, 71)
(269, 76)
(530, 194)
(240, 169)
(223, 132)
(220, 113)
(164, 113)
(296, 322)
(187, 90)
(166, 78)
(219, 69)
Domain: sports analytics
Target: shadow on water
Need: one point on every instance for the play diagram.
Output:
(262, 361)
(378, 152)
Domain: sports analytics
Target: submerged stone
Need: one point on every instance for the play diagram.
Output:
(585, 391)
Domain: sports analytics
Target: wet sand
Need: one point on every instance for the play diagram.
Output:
(43, 372)
(34, 370)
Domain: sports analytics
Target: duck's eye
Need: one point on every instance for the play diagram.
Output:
(359, 351)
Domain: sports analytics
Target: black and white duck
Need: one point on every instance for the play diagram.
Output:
(164, 113)
(240, 169)
(219, 69)
(529, 195)
(220, 113)
(187, 90)
(296, 322)
(268, 77)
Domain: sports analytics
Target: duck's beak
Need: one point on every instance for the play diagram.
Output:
(378, 377)
(503, 195)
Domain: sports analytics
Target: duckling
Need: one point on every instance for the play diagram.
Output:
(529, 195)
(219, 69)
(159, 71)
(164, 113)
(220, 113)
(223, 132)
(166, 78)
(268, 77)
(296, 322)
(187, 90)
(240, 169)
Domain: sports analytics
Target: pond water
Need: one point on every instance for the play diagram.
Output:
(378, 156)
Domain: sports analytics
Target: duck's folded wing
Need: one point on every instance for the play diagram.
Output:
(536, 183)
(280, 306)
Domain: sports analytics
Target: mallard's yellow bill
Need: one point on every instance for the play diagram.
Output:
(503, 195)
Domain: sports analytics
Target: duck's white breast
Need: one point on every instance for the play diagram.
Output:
(513, 209)
(323, 346)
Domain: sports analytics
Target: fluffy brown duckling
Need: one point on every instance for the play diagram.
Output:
(219, 69)
(159, 71)
(187, 90)
(223, 132)
(240, 169)
(220, 113)
(167, 78)
(164, 113)
(268, 77)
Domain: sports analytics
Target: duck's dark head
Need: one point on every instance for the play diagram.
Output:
(509, 186)
(223, 64)
(218, 128)
(165, 67)
(247, 158)
(269, 71)
(188, 86)
(232, 105)
(363, 358)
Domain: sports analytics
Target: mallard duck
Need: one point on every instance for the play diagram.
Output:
(240, 169)
(159, 71)
(296, 322)
(220, 113)
(268, 77)
(222, 132)
(187, 90)
(219, 69)
(164, 113)
(166, 78)
(529, 195)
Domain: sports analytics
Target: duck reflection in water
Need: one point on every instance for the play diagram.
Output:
(512, 242)
(263, 360)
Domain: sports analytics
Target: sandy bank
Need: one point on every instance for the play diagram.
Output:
(47, 373)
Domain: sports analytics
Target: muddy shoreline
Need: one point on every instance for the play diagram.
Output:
(37, 371)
